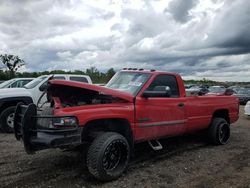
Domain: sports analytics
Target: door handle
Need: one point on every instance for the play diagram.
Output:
(181, 104)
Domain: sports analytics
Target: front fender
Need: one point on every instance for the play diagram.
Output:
(102, 111)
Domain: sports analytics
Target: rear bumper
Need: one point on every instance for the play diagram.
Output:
(34, 138)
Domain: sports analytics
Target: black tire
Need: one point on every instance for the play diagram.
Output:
(108, 156)
(7, 119)
(219, 131)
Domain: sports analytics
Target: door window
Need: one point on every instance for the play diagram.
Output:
(167, 81)
(14, 84)
(25, 82)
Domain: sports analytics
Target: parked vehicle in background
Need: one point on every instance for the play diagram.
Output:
(15, 83)
(188, 86)
(220, 90)
(216, 90)
(135, 106)
(244, 95)
(247, 108)
(31, 93)
(235, 88)
(197, 90)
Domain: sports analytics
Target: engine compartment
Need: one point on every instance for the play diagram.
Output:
(73, 96)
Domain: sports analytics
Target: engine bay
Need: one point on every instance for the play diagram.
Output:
(73, 96)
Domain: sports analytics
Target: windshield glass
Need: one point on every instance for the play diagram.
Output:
(217, 89)
(244, 91)
(34, 82)
(130, 82)
(6, 83)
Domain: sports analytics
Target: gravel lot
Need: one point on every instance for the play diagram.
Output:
(184, 162)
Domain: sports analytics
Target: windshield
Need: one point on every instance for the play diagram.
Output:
(35, 82)
(6, 83)
(244, 91)
(217, 89)
(130, 82)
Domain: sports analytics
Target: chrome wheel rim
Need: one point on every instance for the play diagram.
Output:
(10, 120)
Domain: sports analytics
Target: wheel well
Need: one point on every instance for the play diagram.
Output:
(223, 113)
(9, 104)
(93, 128)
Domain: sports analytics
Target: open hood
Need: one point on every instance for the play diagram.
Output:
(100, 89)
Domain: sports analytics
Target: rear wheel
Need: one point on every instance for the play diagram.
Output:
(219, 131)
(7, 119)
(108, 156)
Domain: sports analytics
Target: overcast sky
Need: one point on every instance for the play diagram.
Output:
(196, 38)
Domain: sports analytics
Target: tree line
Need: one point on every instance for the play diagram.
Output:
(95, 75)
(12, 63)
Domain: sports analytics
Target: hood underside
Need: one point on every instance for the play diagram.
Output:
(87, 88)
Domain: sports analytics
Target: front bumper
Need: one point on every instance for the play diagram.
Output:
(36, 138)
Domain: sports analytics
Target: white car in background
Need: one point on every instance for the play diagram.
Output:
(15, 83)
(31, 93)
(247, 108)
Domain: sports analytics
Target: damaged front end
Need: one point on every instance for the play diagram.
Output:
(40, 132)
(56, 124)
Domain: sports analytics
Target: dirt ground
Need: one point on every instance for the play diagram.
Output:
(184, 162)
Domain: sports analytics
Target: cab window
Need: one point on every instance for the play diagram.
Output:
(167, 81)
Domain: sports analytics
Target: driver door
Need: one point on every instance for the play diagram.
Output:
(160, 116)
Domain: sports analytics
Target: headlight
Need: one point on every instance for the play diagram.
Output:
(64, 122)
(57, 122)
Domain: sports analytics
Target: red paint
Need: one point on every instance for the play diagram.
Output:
(151, 118)
(122, 95)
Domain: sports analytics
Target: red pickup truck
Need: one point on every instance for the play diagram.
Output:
(135, 106)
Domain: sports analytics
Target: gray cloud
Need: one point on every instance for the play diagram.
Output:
(180, 9)
(227, 35)
(231, 26)
(181, 37)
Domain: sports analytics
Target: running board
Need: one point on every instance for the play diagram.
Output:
(156, 145)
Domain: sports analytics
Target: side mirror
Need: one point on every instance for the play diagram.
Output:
(43, 87)
(159, 91)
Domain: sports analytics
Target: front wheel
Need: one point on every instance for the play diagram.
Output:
(108, 156)
(7, 119)
(219, 131)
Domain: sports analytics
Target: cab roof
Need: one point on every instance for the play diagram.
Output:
(152, 71)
